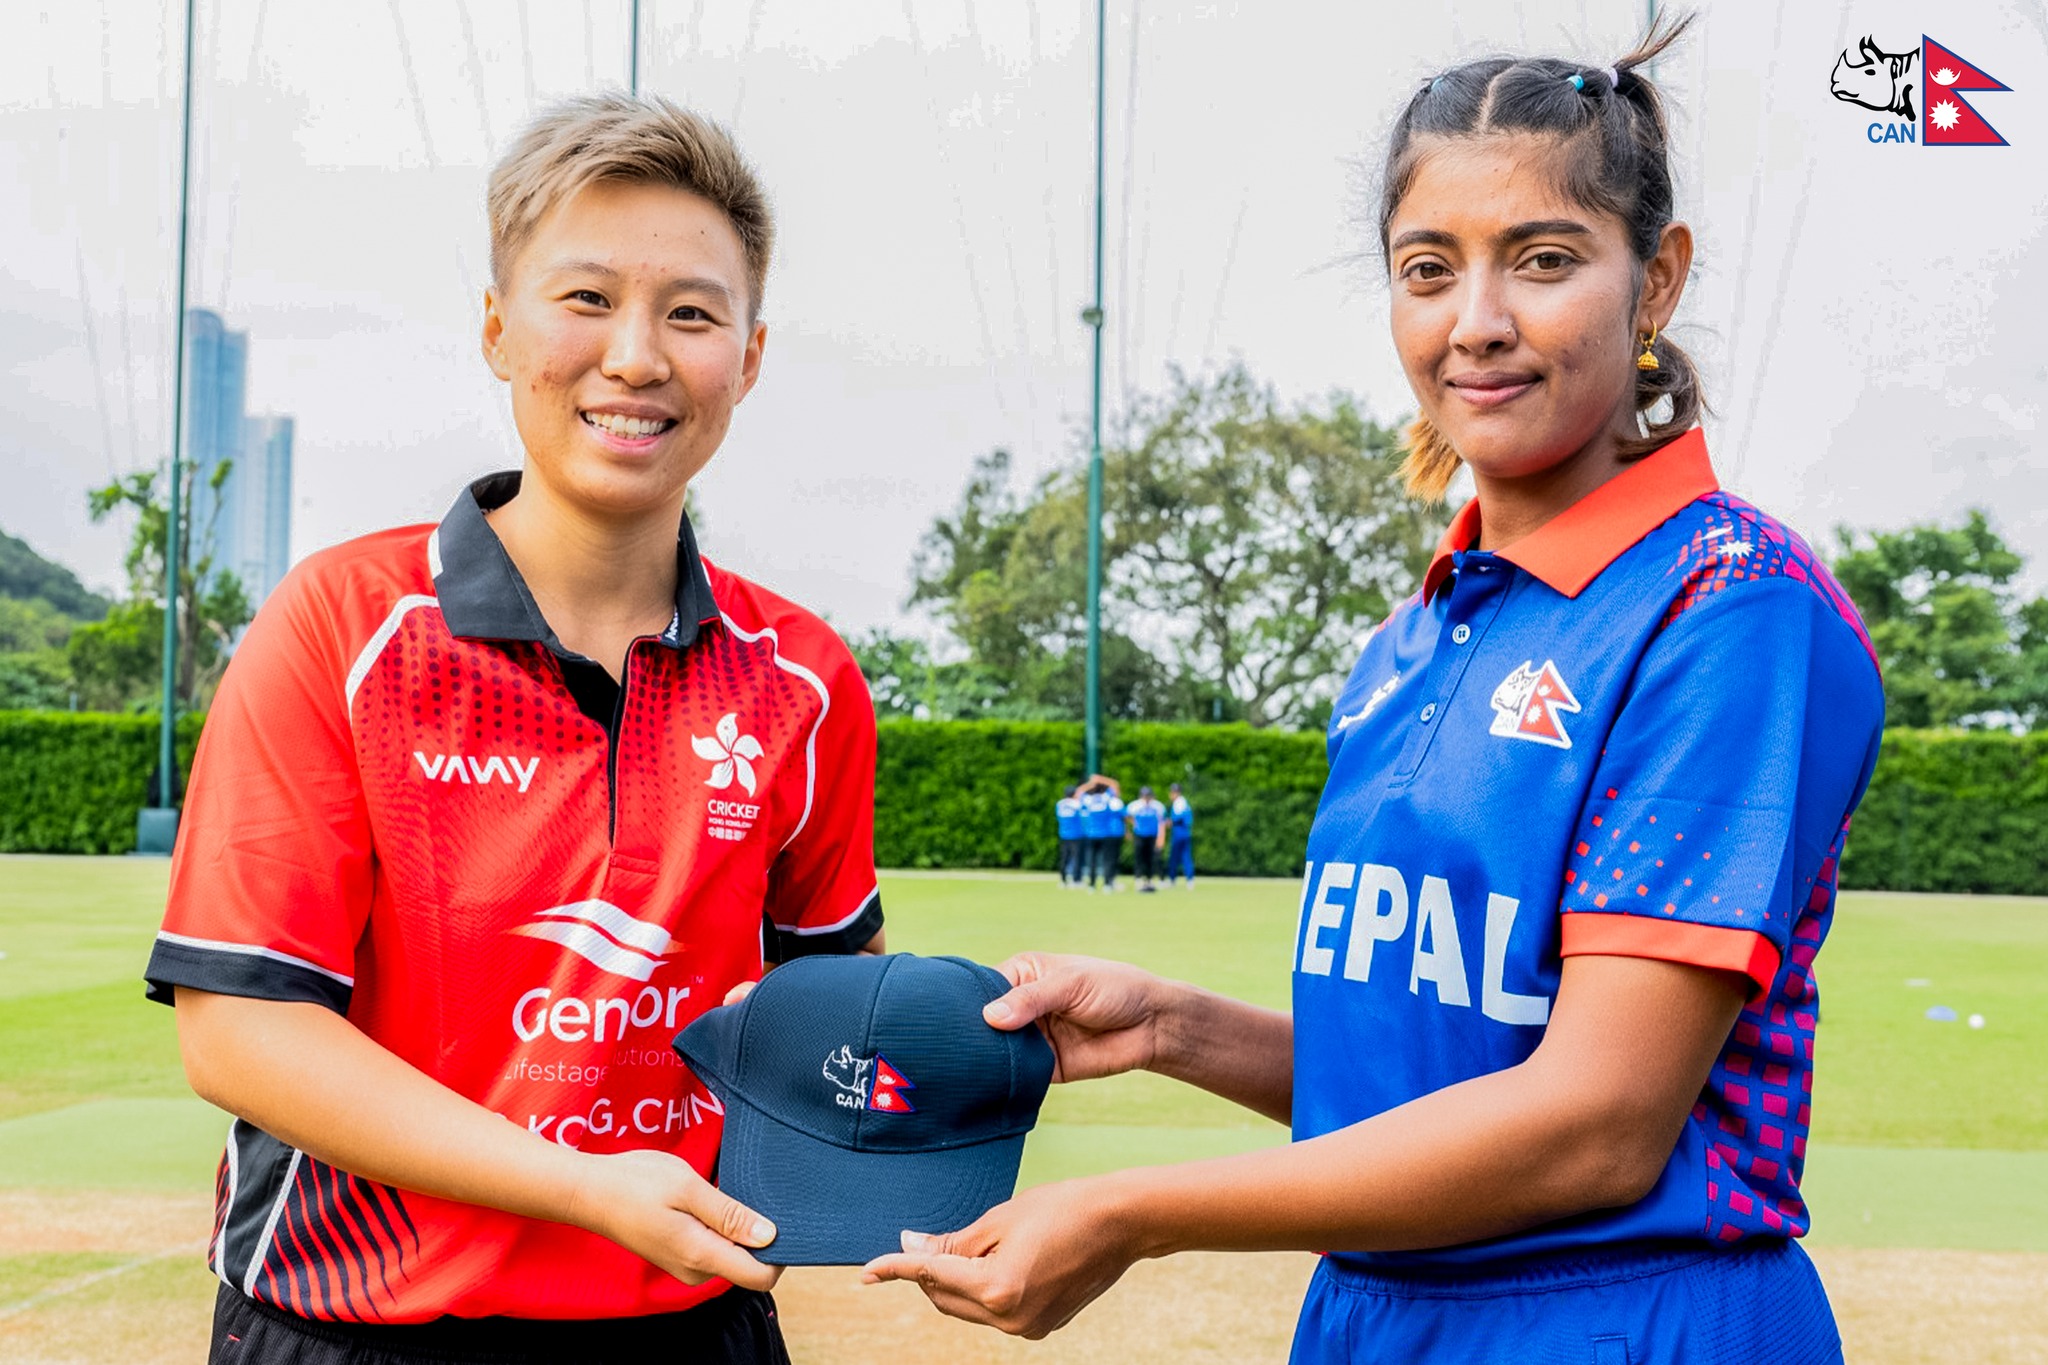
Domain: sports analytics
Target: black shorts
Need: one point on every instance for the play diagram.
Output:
(739, 1327)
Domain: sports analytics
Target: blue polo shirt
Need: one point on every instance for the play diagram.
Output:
(1146, 814)
(1639, 731)
(1181, 816)
(1102, 816)
(1067, 810)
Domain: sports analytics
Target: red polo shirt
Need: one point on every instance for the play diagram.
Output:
(401, 811)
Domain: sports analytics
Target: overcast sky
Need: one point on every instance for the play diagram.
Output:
(1868, 315)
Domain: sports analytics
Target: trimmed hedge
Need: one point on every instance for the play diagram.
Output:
(1954, 811)
(73, 781)
(1947, 811)
(980, 793)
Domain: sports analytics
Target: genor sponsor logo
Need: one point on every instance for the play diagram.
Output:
(575, 1019)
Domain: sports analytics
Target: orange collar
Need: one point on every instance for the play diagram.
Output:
(1571, 549)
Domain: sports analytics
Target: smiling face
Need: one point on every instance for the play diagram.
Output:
(625, 329)
(1516, 311)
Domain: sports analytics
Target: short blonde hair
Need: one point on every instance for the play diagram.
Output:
(635, 139)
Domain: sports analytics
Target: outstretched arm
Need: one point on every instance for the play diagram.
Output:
(1103, 1018)
(1587, 1122)
(308, 1076)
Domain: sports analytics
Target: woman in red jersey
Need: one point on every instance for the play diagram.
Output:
(485, 812)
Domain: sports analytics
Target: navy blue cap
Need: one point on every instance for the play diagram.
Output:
(866, 1095)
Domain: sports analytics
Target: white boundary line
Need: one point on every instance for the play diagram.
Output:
(69, 1287)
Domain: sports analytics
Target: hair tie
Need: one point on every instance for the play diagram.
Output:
(1578, 82)
(1613, 77)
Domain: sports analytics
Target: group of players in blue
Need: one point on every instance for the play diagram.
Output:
(1094, 821)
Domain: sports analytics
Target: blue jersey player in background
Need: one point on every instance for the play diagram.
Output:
(1550, 1060)
(1102, 829)
(1067, 817)
(1180, 849)
(1148, 833)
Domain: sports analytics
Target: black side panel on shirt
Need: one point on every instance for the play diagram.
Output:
(254, 1167)
(783, 945)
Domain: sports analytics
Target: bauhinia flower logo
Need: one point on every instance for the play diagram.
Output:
(730, 753)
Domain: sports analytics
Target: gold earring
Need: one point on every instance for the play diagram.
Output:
(1648, 359)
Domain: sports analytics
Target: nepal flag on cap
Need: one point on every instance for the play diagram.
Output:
(886, 1094)
(1950, 121)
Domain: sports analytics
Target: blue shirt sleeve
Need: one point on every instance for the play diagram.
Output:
(1747, 738)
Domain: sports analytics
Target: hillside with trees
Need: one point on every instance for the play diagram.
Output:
(42, 604)
(62, 647)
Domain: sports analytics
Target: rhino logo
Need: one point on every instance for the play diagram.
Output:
(1875, 79)
(850, 1074)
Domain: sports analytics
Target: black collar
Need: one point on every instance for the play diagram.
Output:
(484, 598)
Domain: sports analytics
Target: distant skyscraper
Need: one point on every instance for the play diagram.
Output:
(250, 515)
(264, 540)
(216, 380)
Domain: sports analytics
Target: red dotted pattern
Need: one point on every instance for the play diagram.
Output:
(446, 729)
(1603, 873)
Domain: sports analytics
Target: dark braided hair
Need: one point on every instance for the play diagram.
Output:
(1609, 122)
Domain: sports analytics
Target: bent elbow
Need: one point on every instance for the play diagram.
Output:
(206, 1071)
(1633, 1178)
(1620, 1168)
(199, 1071)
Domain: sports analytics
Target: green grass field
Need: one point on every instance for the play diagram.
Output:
(1926, 1134)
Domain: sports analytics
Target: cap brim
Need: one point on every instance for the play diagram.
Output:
(832, 1206)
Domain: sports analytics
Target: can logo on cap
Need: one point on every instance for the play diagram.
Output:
(868, 1082)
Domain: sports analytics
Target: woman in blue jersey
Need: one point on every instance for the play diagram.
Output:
(1551, 1049)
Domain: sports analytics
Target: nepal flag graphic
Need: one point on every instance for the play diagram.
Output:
(1949, 119)
(887, 1095)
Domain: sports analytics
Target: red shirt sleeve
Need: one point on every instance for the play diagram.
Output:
(822, 892)
(272, 878)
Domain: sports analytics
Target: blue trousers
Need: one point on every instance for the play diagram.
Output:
(1692, 1306)
(1180, 859)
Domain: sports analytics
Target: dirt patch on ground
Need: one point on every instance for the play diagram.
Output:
(38, 1221)
(1192, 1309)
(1939, 1307)
(1896, 1307)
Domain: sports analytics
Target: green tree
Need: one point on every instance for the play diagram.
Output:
(1958, 645)
(1008, 577)
(35, 681)
(1263, 539)
(118, 662)
(1247, 547)
(908, 681)
(32, 626)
